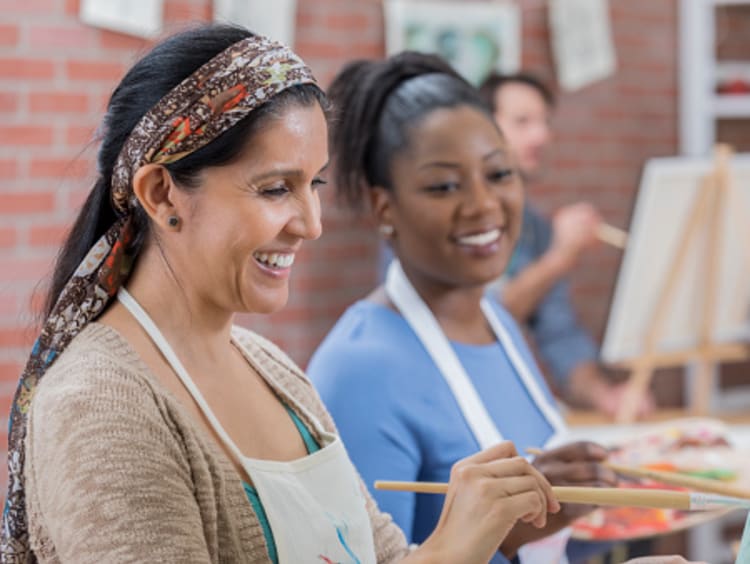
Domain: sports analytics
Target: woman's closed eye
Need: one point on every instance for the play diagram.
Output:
(500, 175)
(319, 182)
(275, 190)
(281, 189)
(442, 187)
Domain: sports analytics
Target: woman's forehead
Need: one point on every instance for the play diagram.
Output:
(457, 130)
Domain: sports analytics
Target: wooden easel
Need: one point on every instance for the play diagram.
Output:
(706, 212)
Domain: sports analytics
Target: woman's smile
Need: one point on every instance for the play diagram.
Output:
(275, 264)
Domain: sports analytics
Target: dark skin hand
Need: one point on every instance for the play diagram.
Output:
(575, 464)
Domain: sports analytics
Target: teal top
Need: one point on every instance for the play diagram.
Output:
(252, 493)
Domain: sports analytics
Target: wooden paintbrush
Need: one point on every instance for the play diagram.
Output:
(626, 497)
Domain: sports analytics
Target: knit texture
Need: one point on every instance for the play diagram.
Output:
(118, 472)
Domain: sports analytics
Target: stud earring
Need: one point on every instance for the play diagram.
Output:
(386, 230)
(173, 221)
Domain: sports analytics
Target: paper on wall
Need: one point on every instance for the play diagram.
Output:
(581, 41)
(142, 18)
(275, 19)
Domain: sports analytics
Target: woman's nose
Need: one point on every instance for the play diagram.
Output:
(308, 223)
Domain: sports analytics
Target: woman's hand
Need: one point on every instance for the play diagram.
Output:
(574, 229)
(488, 494)
(575, 464)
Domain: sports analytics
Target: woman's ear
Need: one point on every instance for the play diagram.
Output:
(153, 186)
(381, 205)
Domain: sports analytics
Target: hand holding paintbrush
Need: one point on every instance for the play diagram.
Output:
(669, 478)
(576, 464)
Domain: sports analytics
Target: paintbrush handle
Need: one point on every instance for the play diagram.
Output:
(625, 497)
(676, 479)
(612, 235)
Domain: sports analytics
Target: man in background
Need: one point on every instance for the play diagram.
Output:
(535, 290)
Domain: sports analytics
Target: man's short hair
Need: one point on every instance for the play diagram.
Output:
(489, 87)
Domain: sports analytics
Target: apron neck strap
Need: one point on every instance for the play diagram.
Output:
(423, 322)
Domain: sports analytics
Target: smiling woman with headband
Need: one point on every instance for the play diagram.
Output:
(147, 427)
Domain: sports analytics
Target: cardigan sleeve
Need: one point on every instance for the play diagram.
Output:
(107, 477)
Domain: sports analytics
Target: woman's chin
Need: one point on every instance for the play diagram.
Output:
(266, 304)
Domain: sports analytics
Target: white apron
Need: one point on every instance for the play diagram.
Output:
(425, 325)
(314, 505)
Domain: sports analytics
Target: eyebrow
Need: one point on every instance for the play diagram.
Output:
(288, 172)
(448, 164)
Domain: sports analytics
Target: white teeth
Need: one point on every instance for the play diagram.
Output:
(480, 239)
(275, 260)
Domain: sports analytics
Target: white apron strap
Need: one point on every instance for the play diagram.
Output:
(522, 368)
(423, 323)
(161, 343)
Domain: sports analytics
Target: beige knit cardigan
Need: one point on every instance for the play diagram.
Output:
(116, 471)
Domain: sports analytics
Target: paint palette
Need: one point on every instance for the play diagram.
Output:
(697, 447)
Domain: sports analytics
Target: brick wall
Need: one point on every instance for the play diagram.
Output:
(732, 32)
(55, 75)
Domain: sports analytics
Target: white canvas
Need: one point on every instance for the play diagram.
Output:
(475, 37)
(668, 189)
(142, 18)
(276, 19)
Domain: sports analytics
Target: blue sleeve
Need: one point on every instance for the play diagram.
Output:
(562, 342)
(359, 387)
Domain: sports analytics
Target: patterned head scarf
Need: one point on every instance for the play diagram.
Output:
(203, 106)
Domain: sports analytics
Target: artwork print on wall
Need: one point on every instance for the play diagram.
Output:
(475, 37)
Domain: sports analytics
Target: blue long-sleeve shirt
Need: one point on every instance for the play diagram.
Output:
(398, 417)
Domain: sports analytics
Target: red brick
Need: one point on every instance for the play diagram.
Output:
(8, 35)
(59, 168)
(16, 337)
(18, 135)
(36, 302)
(8, 238)
(48, 235)
(28, 68)
(58, 102)
(25, 7)
(320, 50)
(26, 270)
(69, 37)
(306, 20)
(75, 199)
(8, 169)
(10, 370)
(76, 135)
(113, 40)
(15, 203)
(185, 11)
(105, 71)
(8, 305)
(72, 7)
(8, 102)
(351, 21)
